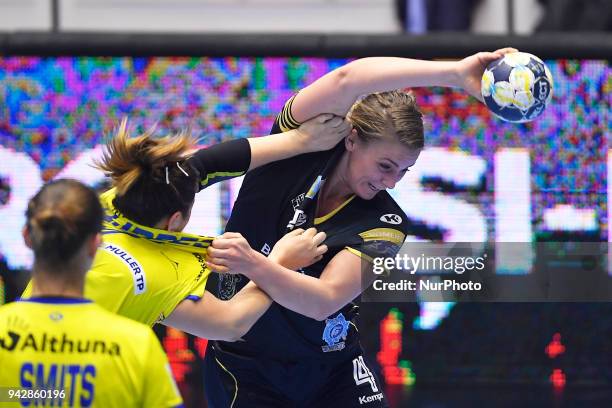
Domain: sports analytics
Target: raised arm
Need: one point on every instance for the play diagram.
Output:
(336, 91)
(320, 133)
(234, 158)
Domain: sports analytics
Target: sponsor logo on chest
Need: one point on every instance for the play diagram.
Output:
(392, 219)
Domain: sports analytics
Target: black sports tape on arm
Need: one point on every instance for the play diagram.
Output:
(232, 157)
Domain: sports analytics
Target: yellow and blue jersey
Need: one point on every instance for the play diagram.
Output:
(82, 355)
(142, 272)
(143, 279)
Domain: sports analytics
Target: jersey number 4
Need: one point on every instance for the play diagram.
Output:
(362, 374)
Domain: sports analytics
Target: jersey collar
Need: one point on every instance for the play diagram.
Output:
(55, 300)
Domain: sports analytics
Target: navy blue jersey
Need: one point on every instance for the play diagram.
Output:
(281, 196)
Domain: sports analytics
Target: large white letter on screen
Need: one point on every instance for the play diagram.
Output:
(461, 221)
(24, 181)
(513, 231)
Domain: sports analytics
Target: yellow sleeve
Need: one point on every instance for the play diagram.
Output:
(159, 389)
(198, 290)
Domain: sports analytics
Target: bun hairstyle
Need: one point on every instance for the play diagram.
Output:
(60, 218)
(382, 114)
(152, 175)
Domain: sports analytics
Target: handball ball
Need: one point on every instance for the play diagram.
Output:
(517, 87)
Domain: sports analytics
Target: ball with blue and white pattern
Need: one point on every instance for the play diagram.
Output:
(517, 87)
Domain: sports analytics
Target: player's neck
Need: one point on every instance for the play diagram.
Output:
(335, 190)
(48, 283)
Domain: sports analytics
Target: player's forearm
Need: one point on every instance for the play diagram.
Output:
(300, 293)
(246, 307)
(216, 319)
(275, 147)
(377, 74)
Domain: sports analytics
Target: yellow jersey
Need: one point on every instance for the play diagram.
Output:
(81, 355)
(141, 272)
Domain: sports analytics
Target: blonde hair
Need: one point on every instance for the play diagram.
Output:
(152, 175)
(389, 114)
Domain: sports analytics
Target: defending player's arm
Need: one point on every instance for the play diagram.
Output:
(234, 158)
(216, 319)
(229, 320)
(317, 298)
(338, 90)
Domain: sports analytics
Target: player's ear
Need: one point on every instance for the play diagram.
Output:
(26, 237)
(351, 140)
(93, 245)
(176, 222)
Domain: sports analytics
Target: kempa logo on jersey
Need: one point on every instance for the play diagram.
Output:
(366, 399)
(137, 271)
(392, 219)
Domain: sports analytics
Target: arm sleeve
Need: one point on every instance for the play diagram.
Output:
(222, 161)
(198, 291)
(159, 390)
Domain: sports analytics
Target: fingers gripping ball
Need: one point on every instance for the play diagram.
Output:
(517, 87)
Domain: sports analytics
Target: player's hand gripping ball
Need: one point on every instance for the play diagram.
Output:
(517, 87)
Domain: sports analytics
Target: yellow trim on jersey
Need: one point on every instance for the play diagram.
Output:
(235, 381)
(114, 221)
(326, 217)
(383, 234)
(368, 258)
(359, 254)
(286, 121)
(204, 183)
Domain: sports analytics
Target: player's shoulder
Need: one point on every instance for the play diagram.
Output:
(10, 309)
(384, 212)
